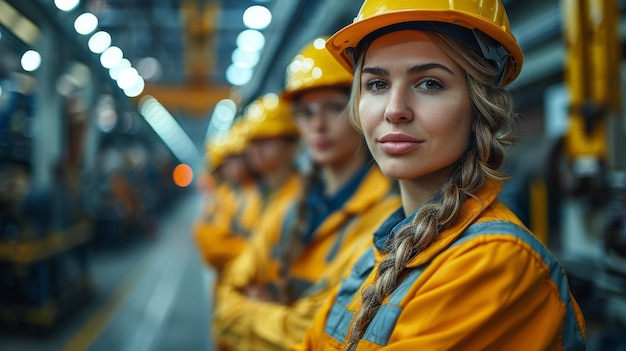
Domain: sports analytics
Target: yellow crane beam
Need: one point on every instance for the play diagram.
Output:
(195, 101)
(592, 74)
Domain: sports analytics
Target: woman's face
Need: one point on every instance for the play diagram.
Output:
(325, 128)
(235, 169)
(268, 154)
(414, 107)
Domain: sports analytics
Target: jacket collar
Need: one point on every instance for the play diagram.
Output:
(471, 209)
(373, 188)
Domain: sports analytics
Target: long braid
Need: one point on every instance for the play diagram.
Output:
(407, 242)
(483, 159)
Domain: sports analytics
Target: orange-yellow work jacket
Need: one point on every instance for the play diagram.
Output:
(230, 215)
(248, 324)
(485, 284)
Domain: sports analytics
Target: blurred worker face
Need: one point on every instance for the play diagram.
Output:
(235, 168)
(414, 107)
(325, 128)
(268, 154)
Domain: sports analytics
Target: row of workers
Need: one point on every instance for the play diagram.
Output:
(392, 235)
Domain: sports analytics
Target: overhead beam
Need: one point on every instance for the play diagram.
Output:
(195, 101)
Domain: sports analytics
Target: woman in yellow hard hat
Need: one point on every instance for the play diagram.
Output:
(274, 140)
(454, 269)
(232, 211)
(292, 267)
(273, 147)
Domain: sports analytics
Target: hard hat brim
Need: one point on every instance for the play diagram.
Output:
(351, 35)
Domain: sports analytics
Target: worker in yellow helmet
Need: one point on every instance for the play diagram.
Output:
(274, 146)
(232, 211)
(291, 268)
(453, 269)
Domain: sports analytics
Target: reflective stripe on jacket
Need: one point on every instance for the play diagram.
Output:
(485, 284)
(341, 238)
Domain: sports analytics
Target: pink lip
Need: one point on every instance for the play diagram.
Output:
(398, 143)
(322, 144)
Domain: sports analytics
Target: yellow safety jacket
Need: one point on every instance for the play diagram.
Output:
(485, 284)
(247, 324)
(223, 229)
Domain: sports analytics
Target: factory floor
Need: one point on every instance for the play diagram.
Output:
(151, 294)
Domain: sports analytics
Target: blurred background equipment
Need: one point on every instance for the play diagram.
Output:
(594, 151)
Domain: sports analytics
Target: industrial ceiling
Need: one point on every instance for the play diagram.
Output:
(193, 40)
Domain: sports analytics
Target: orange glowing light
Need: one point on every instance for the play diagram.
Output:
(182, 175)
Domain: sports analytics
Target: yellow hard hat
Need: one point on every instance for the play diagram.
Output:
(486, 19)
(234, 142)
(237, 139)
(215, 153)
(314, 67)
(269, 117)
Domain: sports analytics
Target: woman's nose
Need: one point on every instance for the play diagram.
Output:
(398, 109)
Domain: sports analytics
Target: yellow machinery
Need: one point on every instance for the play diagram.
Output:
(592, 177)
(594, 141)
(593, 76)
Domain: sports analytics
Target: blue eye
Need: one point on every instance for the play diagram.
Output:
(376, 84)
(430, 84)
